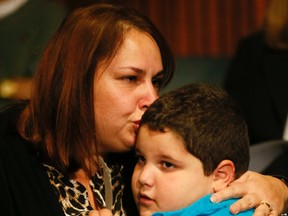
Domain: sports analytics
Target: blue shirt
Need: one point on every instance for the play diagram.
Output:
(205, 207)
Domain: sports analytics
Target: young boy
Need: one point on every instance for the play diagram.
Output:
(192, 142)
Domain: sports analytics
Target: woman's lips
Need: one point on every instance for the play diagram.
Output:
(136, 126)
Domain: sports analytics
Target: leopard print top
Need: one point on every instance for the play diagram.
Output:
(73, 196)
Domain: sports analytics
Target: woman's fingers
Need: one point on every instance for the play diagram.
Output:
(264, 208)
(254, 189)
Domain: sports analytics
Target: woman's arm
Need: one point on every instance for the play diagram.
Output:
(255, 188)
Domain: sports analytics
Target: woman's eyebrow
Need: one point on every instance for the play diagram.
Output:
(137, 70)
(141, 71)
(160, 73)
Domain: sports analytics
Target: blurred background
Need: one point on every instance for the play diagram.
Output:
(202, 33)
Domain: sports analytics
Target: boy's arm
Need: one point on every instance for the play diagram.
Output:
(255, 188)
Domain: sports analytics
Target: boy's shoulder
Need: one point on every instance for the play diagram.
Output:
(205, 207)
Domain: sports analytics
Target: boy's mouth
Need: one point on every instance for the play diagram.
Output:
(144, 199)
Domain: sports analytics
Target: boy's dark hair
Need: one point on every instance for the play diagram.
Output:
(207, 120)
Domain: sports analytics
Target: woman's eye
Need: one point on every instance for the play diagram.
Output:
(131, 78)
(157, 82)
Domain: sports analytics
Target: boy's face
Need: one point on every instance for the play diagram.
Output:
(166, 177)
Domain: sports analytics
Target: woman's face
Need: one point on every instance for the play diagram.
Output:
(124, 89)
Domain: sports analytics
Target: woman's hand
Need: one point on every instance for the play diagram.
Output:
(102, 212)
(257, 191)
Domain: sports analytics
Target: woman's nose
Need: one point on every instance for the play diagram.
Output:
(149, 95)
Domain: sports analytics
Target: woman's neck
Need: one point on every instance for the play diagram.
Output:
(84, 178)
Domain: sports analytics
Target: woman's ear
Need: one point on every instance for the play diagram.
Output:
(223, 175)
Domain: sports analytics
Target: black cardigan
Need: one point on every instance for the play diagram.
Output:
(24, 186)
(257, 79)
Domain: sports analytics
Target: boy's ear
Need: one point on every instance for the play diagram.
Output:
(223, 175)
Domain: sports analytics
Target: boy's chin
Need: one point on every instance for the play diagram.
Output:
(146, 212)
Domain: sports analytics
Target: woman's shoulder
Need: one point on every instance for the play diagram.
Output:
(10, 113)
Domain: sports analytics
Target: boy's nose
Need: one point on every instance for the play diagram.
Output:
(146, 176)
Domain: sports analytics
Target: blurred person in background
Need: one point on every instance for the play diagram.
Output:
(257, 77)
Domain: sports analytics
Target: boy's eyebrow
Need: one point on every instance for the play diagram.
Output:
(162, 155)
(165, 156)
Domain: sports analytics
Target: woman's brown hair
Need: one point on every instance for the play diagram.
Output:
(60, 115)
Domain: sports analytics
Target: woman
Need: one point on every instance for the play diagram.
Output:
(99, 73)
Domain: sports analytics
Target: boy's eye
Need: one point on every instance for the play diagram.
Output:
(167, 165)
